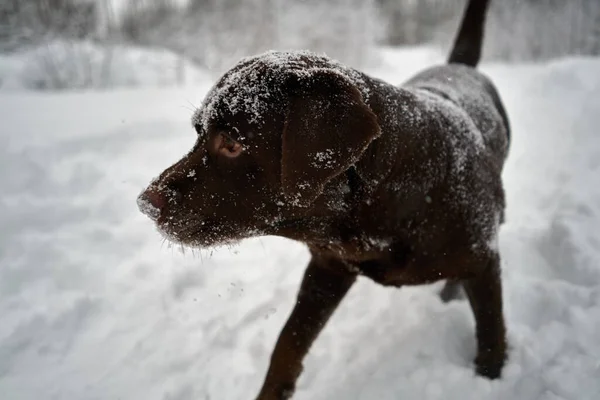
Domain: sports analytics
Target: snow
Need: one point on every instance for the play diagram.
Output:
(84, 65)
(147, 208)
(95, 306)
(254, 83)
(324, 158)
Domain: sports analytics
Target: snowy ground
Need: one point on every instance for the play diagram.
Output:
(94, 306)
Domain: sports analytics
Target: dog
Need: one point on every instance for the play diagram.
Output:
(400, 184)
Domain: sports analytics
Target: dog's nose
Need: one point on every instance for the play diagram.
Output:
(151, 202)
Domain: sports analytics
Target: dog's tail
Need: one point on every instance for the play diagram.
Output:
(468, 42)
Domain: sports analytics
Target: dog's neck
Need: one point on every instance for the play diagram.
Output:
(394, 108)
(334, 221)
(332, 224)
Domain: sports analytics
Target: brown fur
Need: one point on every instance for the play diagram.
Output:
(398, 184)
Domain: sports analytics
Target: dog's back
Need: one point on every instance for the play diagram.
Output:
(459, 83)
(468, 94)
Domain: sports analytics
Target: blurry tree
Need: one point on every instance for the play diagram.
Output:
(411, 22)
(543, 29)
(516, 29)
(216, 33)
(144, 21)
(29, 22)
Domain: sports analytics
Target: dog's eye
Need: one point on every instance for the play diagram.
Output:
(227, 147)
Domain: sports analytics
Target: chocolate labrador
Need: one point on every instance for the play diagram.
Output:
(398, 184)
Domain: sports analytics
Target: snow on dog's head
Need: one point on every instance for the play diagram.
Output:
(257, 83)
(260, 130)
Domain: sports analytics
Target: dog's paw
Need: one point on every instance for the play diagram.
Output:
(489, 364)
(284, 392)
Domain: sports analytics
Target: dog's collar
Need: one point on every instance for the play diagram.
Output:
(352, 198)
(356, 185)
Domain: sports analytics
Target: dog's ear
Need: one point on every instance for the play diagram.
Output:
(327, 128)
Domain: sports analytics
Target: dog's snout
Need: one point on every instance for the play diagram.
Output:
(154, 201)
(163, 193)
(151, 202)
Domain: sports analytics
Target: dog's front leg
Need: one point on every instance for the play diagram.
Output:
(325, 283)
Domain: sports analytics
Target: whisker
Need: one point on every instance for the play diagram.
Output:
(262, 245)
(188, 108)
(192, 104)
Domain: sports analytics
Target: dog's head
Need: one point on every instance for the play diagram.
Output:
(271, 134)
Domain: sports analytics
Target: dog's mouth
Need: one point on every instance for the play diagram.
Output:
(184, 226)
(186, 231)
(178, 226)
(203, 232)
